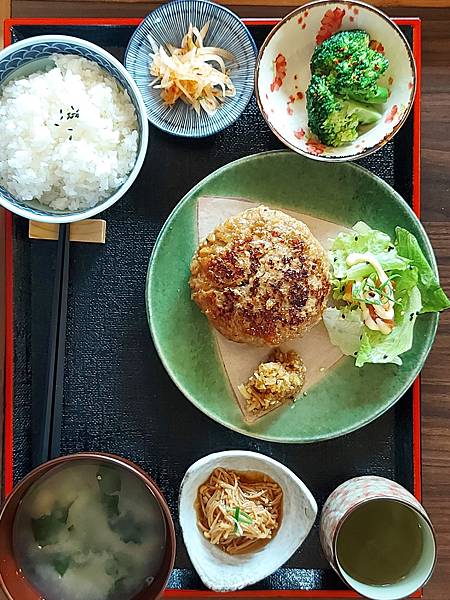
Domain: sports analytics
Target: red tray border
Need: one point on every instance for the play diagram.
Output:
(413, 22)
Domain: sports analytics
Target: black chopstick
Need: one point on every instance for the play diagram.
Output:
(49, 438)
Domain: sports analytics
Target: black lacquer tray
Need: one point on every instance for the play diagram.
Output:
(117, 396)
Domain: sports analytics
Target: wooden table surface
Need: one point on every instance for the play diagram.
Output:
(435, 15)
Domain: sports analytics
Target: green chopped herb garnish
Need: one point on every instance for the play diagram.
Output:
(237, 528)
(239, 516)
(369, 286)
(245, 518)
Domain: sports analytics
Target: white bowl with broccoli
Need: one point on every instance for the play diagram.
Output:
(335, 80)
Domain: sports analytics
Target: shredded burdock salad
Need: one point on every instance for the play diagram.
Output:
(196, 74)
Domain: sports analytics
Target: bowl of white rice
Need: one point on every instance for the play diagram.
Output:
(74, 129)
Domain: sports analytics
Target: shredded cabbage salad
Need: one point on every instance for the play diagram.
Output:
(194, 73)
(379, 289)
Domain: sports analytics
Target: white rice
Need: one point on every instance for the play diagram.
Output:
(49, 154)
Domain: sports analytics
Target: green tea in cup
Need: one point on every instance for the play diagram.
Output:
(385, 549)
(378, 538)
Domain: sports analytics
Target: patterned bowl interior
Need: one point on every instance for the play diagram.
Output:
(168, 24)
(35, 56)
(283, 74)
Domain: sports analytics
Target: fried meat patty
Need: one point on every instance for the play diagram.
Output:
(261, 277)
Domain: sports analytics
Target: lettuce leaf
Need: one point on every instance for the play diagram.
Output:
(378, 348)
(345, 328)
(364, 239)
(416, 290)
(433, 296)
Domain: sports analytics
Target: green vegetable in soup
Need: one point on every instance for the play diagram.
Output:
(109, 480)
(61, 564)
(47, 528)
(89, 532)
(111, 505)
(125, 525)
(109, 484)
(128, 528)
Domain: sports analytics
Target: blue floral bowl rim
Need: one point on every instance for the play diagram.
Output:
(220, 8)
(138, 104)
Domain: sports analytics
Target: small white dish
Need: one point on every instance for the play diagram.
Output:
(220, 571)
(282, 101)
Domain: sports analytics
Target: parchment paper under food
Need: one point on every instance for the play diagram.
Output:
(241, 360)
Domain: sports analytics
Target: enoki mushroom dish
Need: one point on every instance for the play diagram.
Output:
(239, 512)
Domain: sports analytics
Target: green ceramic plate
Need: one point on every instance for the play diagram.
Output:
(349, 397)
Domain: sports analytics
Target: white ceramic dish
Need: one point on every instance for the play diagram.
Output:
(294, 38)
(220, 571)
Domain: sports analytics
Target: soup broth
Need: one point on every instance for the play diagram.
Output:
(89, 531)
(380, 542)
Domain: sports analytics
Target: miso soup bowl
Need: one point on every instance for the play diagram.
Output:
(13, 583)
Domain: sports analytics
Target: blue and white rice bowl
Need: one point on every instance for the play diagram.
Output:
(33, 55)
(168, 24)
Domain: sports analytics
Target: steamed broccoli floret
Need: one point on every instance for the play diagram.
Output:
(352, 67)
(357, 77)
(345, 72)
(374, 94)
(334, 120)
(339, 46)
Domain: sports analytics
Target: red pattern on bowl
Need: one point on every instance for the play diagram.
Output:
(284, 60)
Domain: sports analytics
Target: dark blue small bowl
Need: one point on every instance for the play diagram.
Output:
(168, 24)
